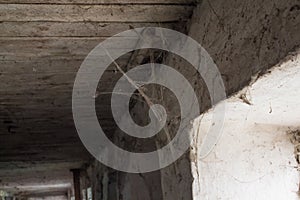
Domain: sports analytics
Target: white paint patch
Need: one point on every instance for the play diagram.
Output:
(254, 158)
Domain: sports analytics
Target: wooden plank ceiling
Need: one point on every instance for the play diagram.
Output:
(42, 44)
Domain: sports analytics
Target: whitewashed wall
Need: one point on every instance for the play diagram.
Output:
(254, 158)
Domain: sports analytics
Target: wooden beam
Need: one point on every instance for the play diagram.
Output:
(47, 67)
(104, 2)
(75, 29)
(98, 13)
(16, 48)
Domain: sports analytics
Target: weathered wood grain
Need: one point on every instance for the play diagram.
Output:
(97, 13)
(184, 2)
(27, 49)
(75, 29)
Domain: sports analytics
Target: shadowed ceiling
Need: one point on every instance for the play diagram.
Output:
(43, 44)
